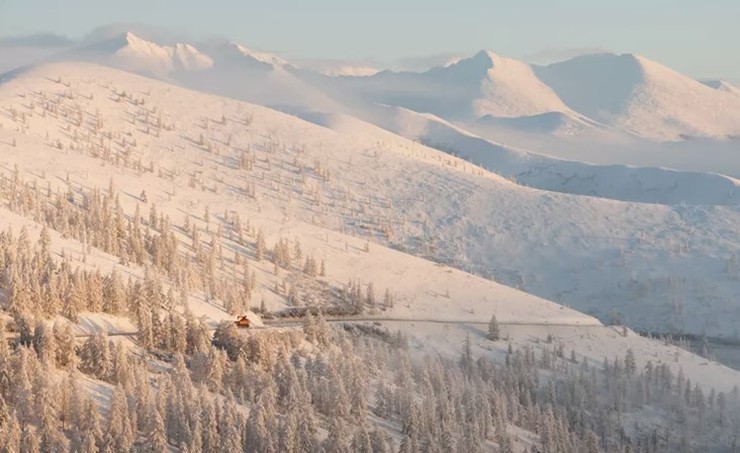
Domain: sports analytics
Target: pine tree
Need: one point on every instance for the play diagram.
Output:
(380, 442)
(260, 246)
(630, 365)
(288, 434)
(156, 438)
(44, 344)
(29, 441)
(297, 251)
(370, 296)
(466, 359)
(494, 333)
(387, 299)
(120, 436)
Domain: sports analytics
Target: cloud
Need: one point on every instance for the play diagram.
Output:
(553, 55)
(424, 63)
(18, 51)
(40, 40)
(147, 32)
(331, 66)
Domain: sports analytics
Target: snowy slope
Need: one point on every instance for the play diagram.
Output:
(662, 267)
(260, 77)
(556, 123)
(340, 217)
(642, 96)
(618, 182)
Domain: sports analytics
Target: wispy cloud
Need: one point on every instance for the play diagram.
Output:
(150, 33)
(552, 55)
(425, 62)
(41, 40)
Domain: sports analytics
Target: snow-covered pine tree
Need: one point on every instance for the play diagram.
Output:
(494, 333)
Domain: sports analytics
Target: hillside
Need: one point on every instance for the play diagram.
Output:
(656, 255)
(617, 182)
(208, 207)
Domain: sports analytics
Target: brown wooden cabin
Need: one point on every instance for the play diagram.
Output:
(242, 322)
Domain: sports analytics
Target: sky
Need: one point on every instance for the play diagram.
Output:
(699, 38)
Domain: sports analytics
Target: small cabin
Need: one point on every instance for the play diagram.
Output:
(242, 322)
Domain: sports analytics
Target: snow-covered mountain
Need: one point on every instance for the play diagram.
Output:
(577, 97)
(260, 77)
(485, 84)
(235, 54)
(129, 52)
(642, 97)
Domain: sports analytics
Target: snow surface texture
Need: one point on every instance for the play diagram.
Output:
(659, 267)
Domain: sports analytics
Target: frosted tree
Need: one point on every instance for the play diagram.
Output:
(370, 296)
(630, 365)
(29, 441)
(44, 344)
(64, 339)
(10, 435)
(156, 438)
(22, 388)
(494, 333)
(74, 301)
(113, 294)
(387, 299)
(260, 246)
(87, 435)
(466, 358)
(95, 356)
(297, 251)
(338, 439)
(259, 436)
(120, 436)
(230, 426)
(380, 442)
(95, 293)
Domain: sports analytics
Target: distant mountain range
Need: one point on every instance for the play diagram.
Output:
(627, 92)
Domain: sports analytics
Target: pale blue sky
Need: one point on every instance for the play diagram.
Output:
(700, 38)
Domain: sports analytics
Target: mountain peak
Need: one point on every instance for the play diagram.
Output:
(262, 57)
(478, 64)
(129, 51)
(486, 56)
(130, 39)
